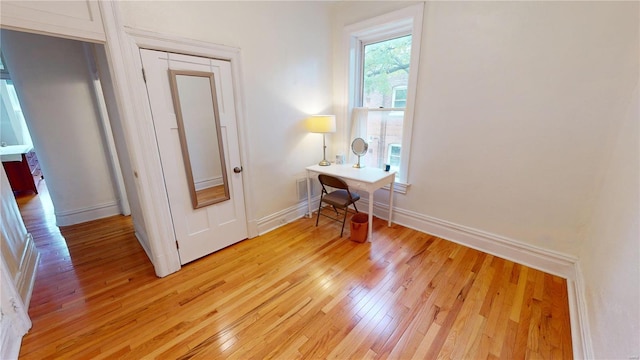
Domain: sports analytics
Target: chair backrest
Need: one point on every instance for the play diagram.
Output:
(332, 181)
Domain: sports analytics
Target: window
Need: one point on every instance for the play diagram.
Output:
(399, 99)
(393, 157)
(14, 127)
(383, 77)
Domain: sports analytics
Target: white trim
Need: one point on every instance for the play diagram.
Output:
(164, 241)
(283, 217)
(89, 213)
(25, 279)
(545, 260)
(580, 329)
(60, 23)
(140, 140)
(15, 321)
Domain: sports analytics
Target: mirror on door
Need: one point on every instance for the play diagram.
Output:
(196, 106)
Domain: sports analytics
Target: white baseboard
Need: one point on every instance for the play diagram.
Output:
(545, 260)
(283, 217)
(580, 329)
(77, 216)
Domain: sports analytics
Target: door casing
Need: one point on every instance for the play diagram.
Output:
(125, 47)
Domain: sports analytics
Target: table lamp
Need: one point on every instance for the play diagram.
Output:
(322, 124)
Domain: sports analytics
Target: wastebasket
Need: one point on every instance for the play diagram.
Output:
(359, 227)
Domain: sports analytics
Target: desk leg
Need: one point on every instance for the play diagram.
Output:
(370, 215)
(309, 196)
(390, 202)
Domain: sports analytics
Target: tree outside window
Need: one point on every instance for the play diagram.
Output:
(384, 85)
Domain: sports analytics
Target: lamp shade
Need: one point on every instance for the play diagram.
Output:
(322, 123)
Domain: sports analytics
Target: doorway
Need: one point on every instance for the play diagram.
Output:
(65, 107)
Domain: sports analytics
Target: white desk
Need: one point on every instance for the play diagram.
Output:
(366, 179)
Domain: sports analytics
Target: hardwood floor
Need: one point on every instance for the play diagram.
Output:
(296, 292)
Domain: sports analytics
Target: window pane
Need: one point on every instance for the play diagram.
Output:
(384, 135)
(399, 97)
(385, 67)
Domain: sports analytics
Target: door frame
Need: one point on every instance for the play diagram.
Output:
(153, 41)
(123, 48)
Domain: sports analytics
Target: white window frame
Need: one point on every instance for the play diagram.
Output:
(391, 25)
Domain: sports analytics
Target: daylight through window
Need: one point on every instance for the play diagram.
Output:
(385, 50)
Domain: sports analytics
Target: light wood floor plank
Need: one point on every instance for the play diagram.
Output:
(298, 292)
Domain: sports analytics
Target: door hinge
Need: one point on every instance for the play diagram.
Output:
(177, 245)
(144, 76)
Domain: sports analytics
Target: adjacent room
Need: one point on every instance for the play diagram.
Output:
(161, 197)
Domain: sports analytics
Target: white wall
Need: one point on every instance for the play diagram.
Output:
(513, 111)
(609, 257)
(286, 60)
(53, 84)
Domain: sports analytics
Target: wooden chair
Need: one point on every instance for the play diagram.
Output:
(340, 198)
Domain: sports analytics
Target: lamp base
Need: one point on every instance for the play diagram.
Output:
(324, 163)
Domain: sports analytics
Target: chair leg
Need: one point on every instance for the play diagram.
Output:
(344, 219)
(354, 205)
(319, 207)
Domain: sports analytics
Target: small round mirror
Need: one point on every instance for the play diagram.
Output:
(359, 147)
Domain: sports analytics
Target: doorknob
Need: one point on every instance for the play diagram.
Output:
(237, 170)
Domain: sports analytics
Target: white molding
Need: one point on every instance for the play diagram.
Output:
(283, 217)
(140, 139)
(15, 321)
(55, 21)
(548, 261)
(149, 40)
(76, 216)
(580, 329)
(26, 277)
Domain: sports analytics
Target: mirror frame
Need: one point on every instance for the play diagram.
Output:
(183, 136)
(360, 142)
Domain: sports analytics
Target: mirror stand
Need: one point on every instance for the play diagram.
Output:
(357, 165)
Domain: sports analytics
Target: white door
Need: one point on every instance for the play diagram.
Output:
(201, 231)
